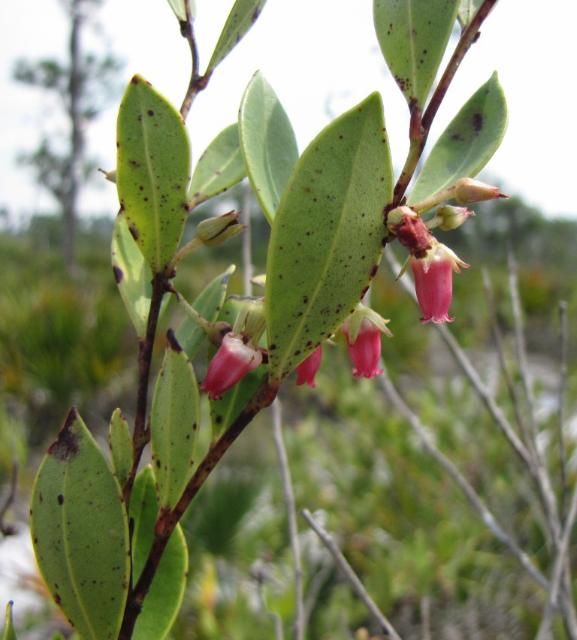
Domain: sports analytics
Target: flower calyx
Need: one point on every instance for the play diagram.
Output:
(410, 230)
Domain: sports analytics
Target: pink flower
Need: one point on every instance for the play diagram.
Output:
(365, 351)
(307, 369)
(232, 362)
(434, 282)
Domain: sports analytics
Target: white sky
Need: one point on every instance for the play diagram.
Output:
(321, 57)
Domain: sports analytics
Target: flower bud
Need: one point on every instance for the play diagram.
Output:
(231, 363)
(214, 231)
(468, 190)
(434, 282)
(448, 218)
(307, 369)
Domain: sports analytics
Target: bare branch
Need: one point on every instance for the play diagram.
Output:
(449, 467)
(350, 575)
(290, 505)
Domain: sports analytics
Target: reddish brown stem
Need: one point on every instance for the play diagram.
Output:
(419, 134)
(141, 434)
(168, 519)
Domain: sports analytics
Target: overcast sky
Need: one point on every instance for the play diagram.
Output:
(321, 57)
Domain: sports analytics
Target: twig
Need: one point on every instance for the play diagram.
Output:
(350, 575)
(290, 505)
(168, 519)
(8, 529)
(542, 474)
(420, 128)
(141, 434)
(196, 82)
(449, 467)
(511, 389)
(561, 562)
(563, 376)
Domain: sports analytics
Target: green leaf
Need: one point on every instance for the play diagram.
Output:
(467, 10)
(267, 142)
(174, 420)
(467, 144)
(80, 533)
(413, 35)
(164, 599)
(224, 411)
(220, 167)
(152, 171)
(208, 304)
(242, 16)
(132, 274)
(179, 8)
(120, 443)
(327, 236)
(8, 633)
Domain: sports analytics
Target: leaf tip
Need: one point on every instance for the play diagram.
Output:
(172, 341)
(65, 447)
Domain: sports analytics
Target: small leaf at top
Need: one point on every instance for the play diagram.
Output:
(152, 171)
(80, 533)
(8, 632)
(179, 8)
(174, 420)
(242, 16)
(164, 599)
(467, 10)
(132, 274)
(220, 167)
(120, 443)
(327, 235)
(208, 304)
(467, 144)
(413, 35)
(267, 142)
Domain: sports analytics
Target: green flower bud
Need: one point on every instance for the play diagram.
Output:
(215, 231)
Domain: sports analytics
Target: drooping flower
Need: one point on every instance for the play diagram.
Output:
(434, 282)
(307, 369)
(232, 362)
(363, 334)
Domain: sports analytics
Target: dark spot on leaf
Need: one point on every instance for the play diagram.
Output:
(118, 273)
(134, 231)
(134, 80)
(218, 419)
(150, 112)
(65, 447)
(477, 122)
(60, 499)
(172, 341)
(57, 599)
(134, 164)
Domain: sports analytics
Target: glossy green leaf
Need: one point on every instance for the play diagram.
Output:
(467, 10)
(327, 235)
(224, 411)
(208, 304)
(120, 443)
(174, 420)
(242, 16)
(467, 144)
(8, 633)
(164, 599)
(220, 167)
(132, 274)
(152, 171)
(413, 35)
(267, 142)
(80, 533)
